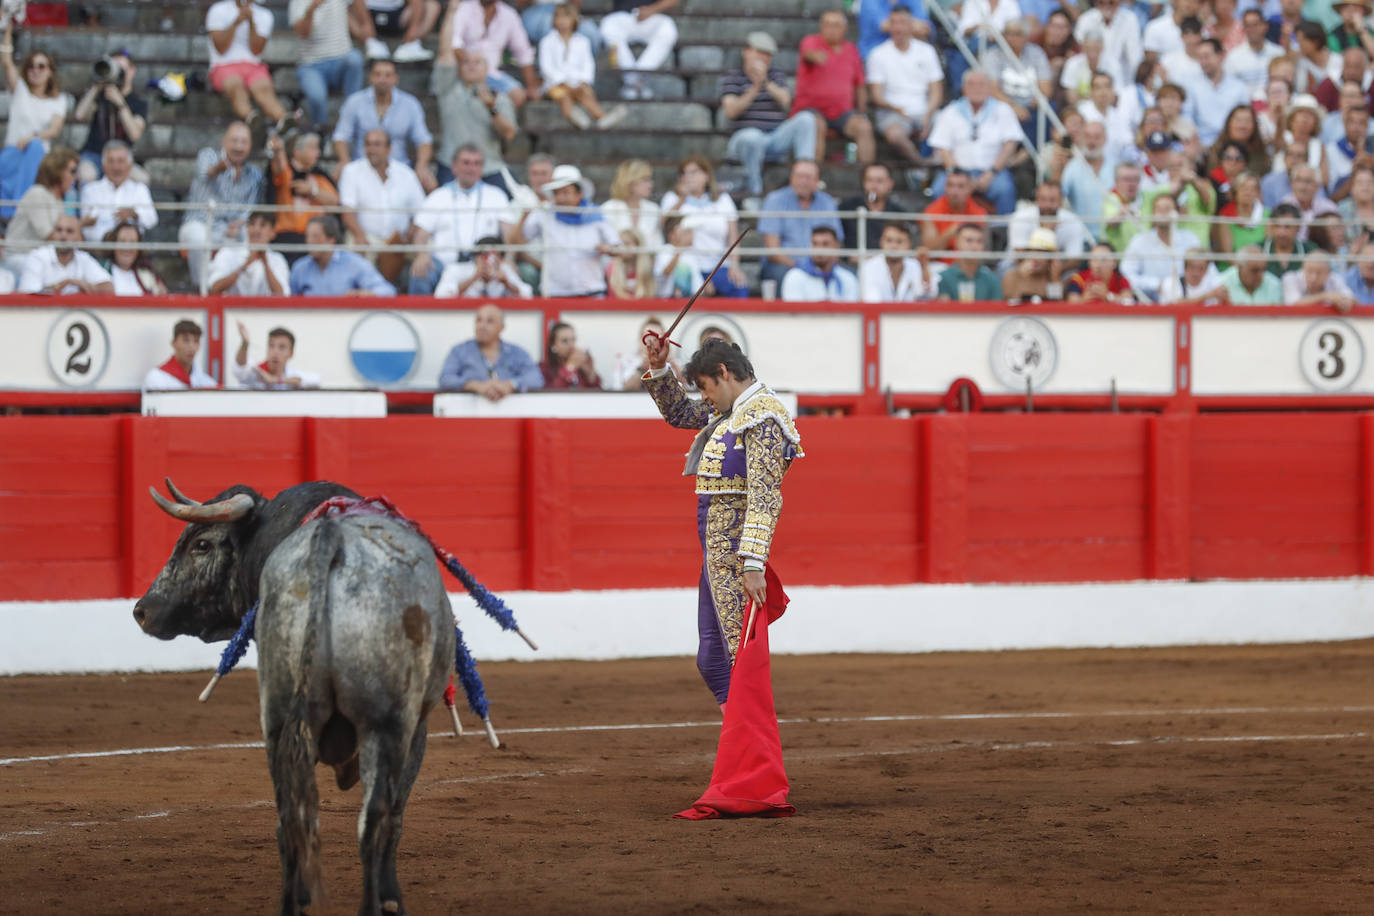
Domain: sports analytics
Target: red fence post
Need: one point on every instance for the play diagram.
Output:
(143, 463)
(1169, 496)
(1367, 494)
(548, 506)
(325, 449)
(944, 468)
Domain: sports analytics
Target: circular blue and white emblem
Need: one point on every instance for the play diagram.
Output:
(384, 348)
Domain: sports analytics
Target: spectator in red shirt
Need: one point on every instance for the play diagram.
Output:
(830, 81)
(1100, 281)
(565, 364)
(958, 205)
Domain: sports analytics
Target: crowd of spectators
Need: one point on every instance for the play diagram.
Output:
(1101, 150)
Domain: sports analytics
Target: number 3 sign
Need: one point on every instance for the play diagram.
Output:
(78, 348)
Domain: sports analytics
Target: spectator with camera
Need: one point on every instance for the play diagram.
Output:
(241, 271)
(488, 275)
(454, 217)
(114, 110)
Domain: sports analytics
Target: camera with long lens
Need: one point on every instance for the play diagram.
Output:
(108, 70)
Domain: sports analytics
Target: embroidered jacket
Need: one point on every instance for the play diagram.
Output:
(745, 453)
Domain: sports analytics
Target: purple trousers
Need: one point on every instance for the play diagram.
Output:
(713, 652)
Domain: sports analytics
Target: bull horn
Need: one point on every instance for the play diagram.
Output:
(229, 510)
(178, 495)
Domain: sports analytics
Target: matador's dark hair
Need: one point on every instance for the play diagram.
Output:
(715, 353)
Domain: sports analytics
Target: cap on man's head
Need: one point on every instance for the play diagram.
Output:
(563, 176)
(1158, 140)
(1041, 239)
(761, 41)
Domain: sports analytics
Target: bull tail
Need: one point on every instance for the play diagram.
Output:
(296, 753)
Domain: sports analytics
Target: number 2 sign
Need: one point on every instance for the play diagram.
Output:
(78, 348)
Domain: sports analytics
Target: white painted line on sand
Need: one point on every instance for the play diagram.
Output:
(816, 720)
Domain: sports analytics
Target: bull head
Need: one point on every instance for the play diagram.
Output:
(199, 591)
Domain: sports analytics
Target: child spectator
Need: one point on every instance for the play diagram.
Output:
(568, 68)
(676, 270)
(630, 274)
(238, 271)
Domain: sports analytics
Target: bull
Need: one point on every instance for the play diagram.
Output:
(355, 646)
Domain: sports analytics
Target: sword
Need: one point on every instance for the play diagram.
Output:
(653, 335)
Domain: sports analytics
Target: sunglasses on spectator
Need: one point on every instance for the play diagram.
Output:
(38, 65)
(1237, 157)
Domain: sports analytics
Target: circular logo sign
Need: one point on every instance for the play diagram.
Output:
(717, 325)
(1023, 348)
(78, 348)
(1331, 354)
(384, 348)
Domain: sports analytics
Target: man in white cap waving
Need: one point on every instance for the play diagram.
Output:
(575, 236)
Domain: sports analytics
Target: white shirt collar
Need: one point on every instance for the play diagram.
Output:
(747, 393)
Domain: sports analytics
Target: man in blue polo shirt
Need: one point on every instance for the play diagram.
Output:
(334, 271)
(1360, 278)
(1211, 98)
(793, 212)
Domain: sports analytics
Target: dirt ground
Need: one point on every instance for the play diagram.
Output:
(1177, 780)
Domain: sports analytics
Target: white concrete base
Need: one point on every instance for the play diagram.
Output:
(64, 637)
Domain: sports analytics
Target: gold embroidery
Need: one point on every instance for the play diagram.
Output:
(723, 574)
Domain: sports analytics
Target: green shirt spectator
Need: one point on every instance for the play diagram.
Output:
(1123, 209)
(1248, 283)
(987, 285)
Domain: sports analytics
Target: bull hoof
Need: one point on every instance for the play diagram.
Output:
(346, 774)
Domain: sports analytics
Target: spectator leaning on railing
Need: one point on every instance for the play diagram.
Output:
(334, 271)
(487, 365)
(567, 366)
(61, 267)
(180, 372)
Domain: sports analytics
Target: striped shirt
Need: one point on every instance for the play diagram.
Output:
(329, 37)
(763, 112)
(233, 196)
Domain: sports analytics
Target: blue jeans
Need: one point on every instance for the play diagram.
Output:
(752, 147)
(18, 169)
(726, 287)
(424, 284)
(343, 73)
(1001, 192)
(538, 20)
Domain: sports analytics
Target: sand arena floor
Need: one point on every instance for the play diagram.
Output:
(1175, 780)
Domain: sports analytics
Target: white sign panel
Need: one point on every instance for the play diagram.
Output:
(1275, 355)
(264, 404)
(369, 347)
(925, 353)
(818, 354)
(46, 348)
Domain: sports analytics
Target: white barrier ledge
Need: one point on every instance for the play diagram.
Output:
(62, 637)
(563, 405)
(233, 403)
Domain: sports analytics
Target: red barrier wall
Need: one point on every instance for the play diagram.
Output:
(596, 504)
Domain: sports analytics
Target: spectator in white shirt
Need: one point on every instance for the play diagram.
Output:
(1211, 98)
(1317, 284)
(643, 22)
(896, 276)
(978, 134)
(1180, 66)
(677, 271)
(488, 275)
(61, 268)
(1199, 284)
(116, 198)
(277, 372)
(180, 372)
(454, 217)
(130, 271)
(1100, 106)
(385, 195)
(1163, 33)
(575, 238)
(1076, 77)
(1249, 61)
(821, 277)
(905, 85)
(238, 31)
(1048, 212)
(1121, 32)
(241, 271)
(568, 68)
(1153, 256)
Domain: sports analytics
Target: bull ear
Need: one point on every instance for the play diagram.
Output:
(178, 495)
(229, 510)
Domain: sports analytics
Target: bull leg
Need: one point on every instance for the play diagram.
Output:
(297, 822)
(382, 761)
(391, 884)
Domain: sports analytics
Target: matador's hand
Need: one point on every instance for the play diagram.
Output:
(656, 348)
(755, 588)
